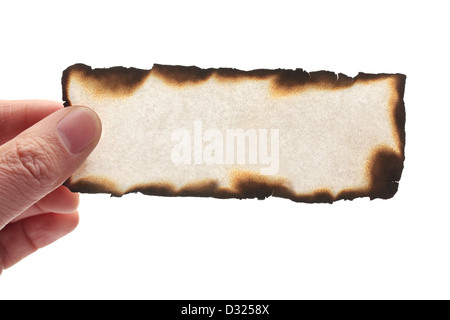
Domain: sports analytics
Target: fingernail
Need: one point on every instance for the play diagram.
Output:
(78, 129)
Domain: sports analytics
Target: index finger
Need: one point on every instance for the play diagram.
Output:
(18, 115)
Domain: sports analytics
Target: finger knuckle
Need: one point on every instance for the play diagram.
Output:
(32, 160)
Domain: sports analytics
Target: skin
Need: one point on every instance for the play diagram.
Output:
(38, 152)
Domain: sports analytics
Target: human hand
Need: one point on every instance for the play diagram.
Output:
(41, 145)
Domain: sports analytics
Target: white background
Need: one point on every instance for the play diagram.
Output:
(187, 248)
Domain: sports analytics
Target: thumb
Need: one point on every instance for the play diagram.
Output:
(42, 157)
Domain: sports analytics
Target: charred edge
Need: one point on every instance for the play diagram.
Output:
(120, 81)
(295, 81)
(385, 173)
(182, 75)
(399, 113)
(245, 186)
(209, 188)
(384, 169)
(251, 185)
(285, 81)
(65, 86)
(93, 185)
(115, 81)
(154, 189)
(400, 121)
(319, 196)
(202, 188)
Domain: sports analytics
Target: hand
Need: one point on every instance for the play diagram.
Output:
(41, 145)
